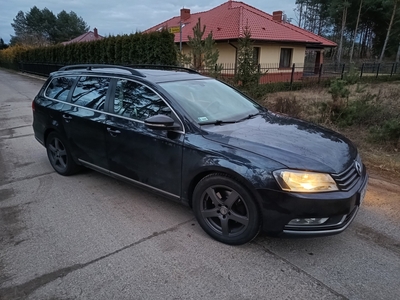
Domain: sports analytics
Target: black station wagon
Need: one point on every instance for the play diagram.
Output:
(199, 141)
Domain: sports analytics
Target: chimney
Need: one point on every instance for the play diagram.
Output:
(185, 14)
(277, 16)
(96, 35)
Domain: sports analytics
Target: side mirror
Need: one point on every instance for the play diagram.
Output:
(161, 122)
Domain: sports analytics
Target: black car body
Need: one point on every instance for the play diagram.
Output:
(201, 142)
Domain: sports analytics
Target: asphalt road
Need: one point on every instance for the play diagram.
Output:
(89, 236)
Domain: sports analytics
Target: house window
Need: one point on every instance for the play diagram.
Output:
(286, 58)
(256, 55)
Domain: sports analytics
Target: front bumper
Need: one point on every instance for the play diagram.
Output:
(279, 208)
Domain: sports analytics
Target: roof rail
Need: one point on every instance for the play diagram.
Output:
(92, 66)
(163, 67)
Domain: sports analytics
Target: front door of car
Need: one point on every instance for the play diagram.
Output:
(84, 121)
(146, 156)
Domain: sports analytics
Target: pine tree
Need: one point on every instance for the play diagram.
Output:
(247, 71)
(2, 44)
(203, 52)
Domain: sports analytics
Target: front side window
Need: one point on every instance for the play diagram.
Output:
(136, 101)
(59, 88)
(286, 58)
(91, 92)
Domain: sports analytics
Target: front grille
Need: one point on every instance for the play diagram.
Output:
(349, 177)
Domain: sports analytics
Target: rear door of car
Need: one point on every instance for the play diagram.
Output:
(49, 105)
(145, 156)
(84, 120)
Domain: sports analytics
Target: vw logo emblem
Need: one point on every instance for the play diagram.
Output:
(358, 167)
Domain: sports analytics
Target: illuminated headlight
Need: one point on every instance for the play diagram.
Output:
(306, 182)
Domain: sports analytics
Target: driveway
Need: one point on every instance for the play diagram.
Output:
(89, 236)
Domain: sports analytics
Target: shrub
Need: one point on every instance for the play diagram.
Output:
(140, 48)
(353, 76)
(289, 106)
(363, 111)
(389, 131)
(339, 90)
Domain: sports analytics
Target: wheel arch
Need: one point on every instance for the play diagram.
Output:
(46, 134)
(51, 130)
(224, 172)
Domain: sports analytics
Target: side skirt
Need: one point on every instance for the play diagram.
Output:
(131, 181)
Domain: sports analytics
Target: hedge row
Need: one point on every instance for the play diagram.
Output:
(138, 48)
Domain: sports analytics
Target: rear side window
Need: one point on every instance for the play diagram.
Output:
(91, 92)
(59, 88)
(136, 101)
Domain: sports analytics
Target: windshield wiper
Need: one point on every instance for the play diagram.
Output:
(248, 117)
(217, 122)
(220, 122)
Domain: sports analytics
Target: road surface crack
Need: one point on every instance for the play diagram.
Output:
(13, 180)
(25, 289)
(299, 270)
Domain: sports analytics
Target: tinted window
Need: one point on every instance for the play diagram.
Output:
(59, 88)
(134, 100)
(91, 92)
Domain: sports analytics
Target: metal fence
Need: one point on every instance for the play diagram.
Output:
(39, 69)
(270, 73)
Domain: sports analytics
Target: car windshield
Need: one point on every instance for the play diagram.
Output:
(209, 101)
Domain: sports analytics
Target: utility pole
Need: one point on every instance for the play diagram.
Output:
(180, 35)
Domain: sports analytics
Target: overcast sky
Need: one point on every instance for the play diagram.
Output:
(123, 16)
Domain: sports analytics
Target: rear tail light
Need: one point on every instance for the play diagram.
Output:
(33, 105)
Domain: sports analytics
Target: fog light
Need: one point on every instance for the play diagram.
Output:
(308, 221)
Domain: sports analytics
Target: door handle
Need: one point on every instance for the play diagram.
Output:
(67, 118)
(113, 132)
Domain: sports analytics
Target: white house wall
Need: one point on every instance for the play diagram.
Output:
(269, 54)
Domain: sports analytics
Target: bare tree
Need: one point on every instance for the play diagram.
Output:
(345, 5)
(355, 31)
(395, 2)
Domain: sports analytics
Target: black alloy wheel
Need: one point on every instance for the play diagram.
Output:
(59, 155)
(226, 210)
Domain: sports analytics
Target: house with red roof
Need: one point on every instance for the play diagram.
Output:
(86, 37)
(276, 42)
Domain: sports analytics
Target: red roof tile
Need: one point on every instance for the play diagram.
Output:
(86, 37)
(228, 20)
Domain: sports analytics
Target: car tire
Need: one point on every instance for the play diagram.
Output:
(226, 210)
(59, 155)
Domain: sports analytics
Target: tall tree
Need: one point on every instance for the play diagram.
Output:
(36, 27)
(312, 14)
(355, 31)
(358, 27)
(196, 45)
(211, 55)
(203, 52)
(395, 3)
(247, 71)
(343, 6)
(69, 26)
(2, 44)
(41, 27)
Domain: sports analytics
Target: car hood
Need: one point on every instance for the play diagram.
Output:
(291, 142)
